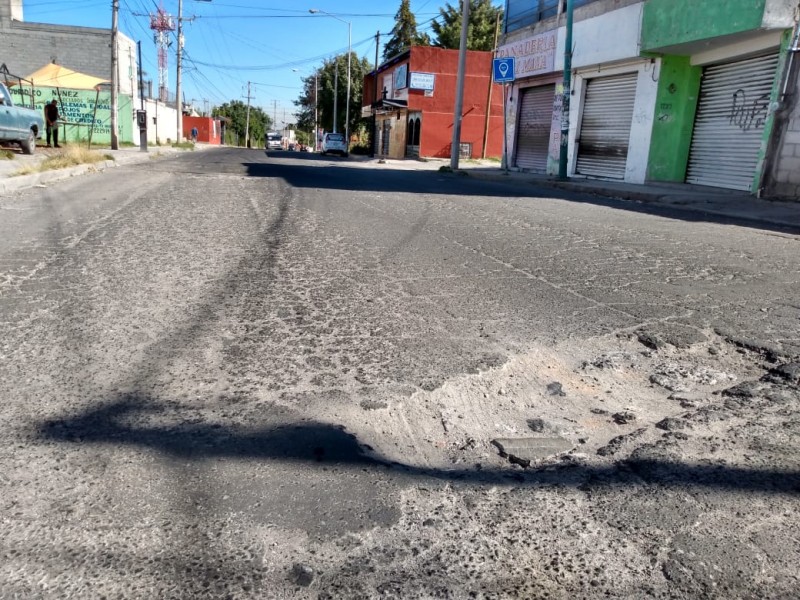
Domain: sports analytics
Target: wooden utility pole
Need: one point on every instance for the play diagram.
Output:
(114, 75)
(491, 87)
(377, 97)
(179, 57)
(247, 120)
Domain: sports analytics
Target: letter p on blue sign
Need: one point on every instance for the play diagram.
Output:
(503, 69)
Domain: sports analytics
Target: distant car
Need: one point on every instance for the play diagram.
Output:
(334, 143)
(273, 140)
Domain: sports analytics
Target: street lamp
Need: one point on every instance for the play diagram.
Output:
(178, 102)
(316, 104)
(314, 11)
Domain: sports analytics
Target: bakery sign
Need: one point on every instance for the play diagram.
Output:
(534, 55)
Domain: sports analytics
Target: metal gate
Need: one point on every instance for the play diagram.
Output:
(535, 120)
(729, 126)
(606, 126)
(386, 130)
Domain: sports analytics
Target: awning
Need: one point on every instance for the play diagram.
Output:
(385, 105)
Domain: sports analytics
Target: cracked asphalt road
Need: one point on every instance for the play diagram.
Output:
(233, 375)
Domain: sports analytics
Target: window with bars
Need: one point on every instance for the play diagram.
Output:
(522, 13)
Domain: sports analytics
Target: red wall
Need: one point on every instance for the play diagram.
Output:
(205, 129)
(437, 117)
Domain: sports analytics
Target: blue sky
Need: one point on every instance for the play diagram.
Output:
(231, 42)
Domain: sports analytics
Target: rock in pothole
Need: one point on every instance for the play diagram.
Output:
(681, 378)
(301, 575)
(672, 424)
(618, 443)
(789, 372)
(661, 335)
(624, 417)
(524, 451)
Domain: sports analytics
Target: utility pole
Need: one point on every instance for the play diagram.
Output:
(377, 97)
(462, 64)
(316, 109)
(335, 91)
(491, 86)
(114, 74)
(178, 101)
(349, 77)
(274, 114)
(142, 130)
(562, 157)
(247, 120)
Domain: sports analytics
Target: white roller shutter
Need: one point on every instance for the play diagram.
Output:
(606, 126)
(535, 120)
(729, 126)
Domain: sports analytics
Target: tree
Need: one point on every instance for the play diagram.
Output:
(404, 32)
(482, 23)
(326, 81)
(236, 112)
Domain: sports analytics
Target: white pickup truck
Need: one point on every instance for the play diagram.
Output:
(18, 124)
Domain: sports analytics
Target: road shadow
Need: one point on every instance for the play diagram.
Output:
(121, 422)
(316, 171)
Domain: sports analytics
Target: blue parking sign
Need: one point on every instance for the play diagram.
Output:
(503, 69)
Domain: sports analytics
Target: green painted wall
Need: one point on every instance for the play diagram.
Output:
(671, 22)
(769, 126)
(77, 108)
(676, 104)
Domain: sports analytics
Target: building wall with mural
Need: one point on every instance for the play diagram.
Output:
(26, 47)
(86, 113)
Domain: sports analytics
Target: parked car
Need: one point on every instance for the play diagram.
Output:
(18, 124)
(334, 143)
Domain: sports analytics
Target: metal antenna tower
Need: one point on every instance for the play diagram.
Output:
(162, 24)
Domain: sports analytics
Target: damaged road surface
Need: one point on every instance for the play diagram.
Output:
(231, 375)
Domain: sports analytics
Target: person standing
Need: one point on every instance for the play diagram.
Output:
(51, 120)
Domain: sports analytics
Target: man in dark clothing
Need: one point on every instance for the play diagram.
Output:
(51, 121)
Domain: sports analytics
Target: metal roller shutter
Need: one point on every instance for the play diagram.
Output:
(535, 120)
(729, 126)
(606, 126)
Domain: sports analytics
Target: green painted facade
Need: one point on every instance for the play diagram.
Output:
(77, 108)
(676, 104)
(672, 22)
(769, 125)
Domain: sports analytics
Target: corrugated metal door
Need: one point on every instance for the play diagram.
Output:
(535, 120)
(606, 126)
(729, 126)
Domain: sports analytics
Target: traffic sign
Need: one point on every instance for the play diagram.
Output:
(503, 69)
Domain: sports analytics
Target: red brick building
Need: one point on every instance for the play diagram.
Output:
(415, 100)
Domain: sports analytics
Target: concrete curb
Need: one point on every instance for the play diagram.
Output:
(20, 182)
(784, 214)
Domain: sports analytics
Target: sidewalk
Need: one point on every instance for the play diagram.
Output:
(124, 156)
(680, 196)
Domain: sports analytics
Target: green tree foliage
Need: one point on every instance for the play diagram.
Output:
(404, 32)
(482, 22)
(326, 84)
(236, 112)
